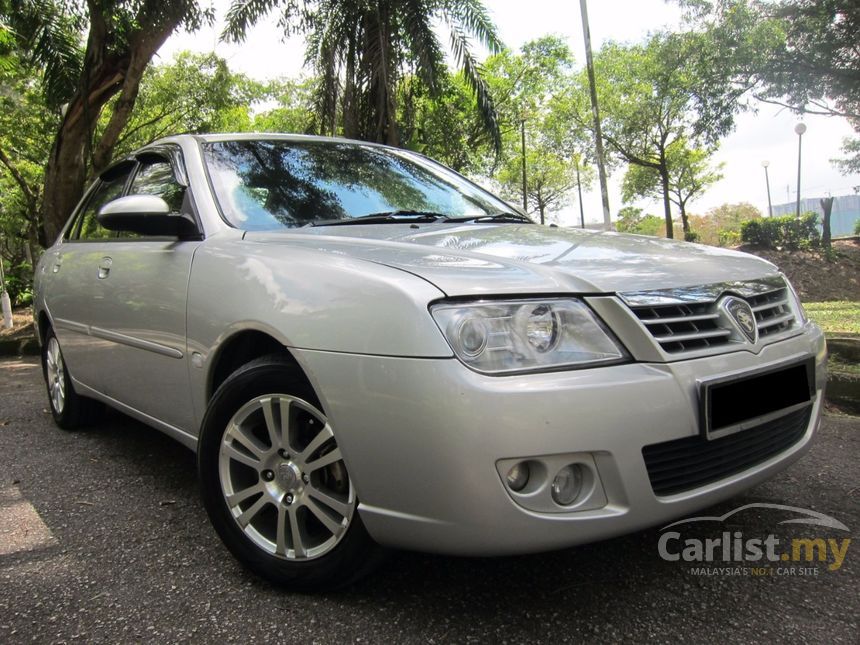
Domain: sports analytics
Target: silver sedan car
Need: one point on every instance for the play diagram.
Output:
(367, 350)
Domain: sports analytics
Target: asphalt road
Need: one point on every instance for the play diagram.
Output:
(103, 539)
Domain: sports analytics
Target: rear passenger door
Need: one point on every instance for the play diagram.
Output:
(143, 314)
(74, 291)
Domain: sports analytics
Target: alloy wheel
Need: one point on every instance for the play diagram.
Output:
(283, 478)
(56, 374)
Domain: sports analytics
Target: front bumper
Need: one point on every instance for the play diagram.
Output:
(422, 438)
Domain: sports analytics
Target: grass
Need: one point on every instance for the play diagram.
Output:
(839, 318)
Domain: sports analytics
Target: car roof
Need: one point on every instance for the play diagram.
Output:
(258, 136)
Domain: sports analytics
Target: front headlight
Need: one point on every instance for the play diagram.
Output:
(526, 335)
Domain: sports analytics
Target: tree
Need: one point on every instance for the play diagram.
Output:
(549, 181)
(655, 95)
(827, 209)
(802, 54)
(445, 126)
(26, 126)
(192, 93)
(121, 37)
(361, 50)
(633, 220)
(690, 174)
(531, 89)
(293, 113)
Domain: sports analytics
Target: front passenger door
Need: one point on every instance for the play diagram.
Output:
(144, 313)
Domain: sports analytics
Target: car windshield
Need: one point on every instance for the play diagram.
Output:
(270, 184)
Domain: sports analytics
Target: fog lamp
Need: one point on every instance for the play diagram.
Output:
(518, 477)
(567, 485)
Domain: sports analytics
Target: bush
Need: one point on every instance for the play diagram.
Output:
(857, 227)
(691, 236)
(787, 232)
(729, 238)
(19, 283)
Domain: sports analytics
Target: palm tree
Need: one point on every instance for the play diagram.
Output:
(362, 49)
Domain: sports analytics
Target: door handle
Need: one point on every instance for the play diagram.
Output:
(58, 262)
(104, 268)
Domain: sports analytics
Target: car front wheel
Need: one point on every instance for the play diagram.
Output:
(275, 484)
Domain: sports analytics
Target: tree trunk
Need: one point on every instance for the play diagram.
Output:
(667, 204)
(350, 119)
(827, 207)
(685, 222)
(65, 177)
(103, 75)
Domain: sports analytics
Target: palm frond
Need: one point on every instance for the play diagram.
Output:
(53, 39)
(243, 14)
(423, 43)
(473, 18)
(471, 71)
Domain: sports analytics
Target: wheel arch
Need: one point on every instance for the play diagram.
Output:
(242, 347)
(43, 323)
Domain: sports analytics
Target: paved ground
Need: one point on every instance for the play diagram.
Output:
(103, 538)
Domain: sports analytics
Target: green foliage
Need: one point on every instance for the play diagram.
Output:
(787, 232)
(27, 125)
(19, 283)
(199, 93)
(857, 227)
(656, 96)
(633, 220)
(850, 164)
(445, 126)
(797, 53)
(728, 238)
(689, 173)
(533, 91)
(691, 236)
(53, 34)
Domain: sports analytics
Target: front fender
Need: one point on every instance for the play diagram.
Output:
(306, 299)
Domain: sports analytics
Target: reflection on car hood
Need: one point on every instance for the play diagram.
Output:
(475, 259)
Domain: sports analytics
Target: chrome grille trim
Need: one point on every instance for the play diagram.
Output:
(689, 320)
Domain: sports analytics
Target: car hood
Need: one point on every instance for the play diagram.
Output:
(476, 259)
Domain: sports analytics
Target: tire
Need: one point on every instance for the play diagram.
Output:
(70, 410)
(273, 484)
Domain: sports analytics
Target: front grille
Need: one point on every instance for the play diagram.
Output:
(683, 464)
(693, 321)
(772, 312)
(686, 327)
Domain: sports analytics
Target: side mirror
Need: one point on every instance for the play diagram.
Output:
(146, 215)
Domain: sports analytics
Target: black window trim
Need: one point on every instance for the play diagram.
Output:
(72, 232)
(169, 152)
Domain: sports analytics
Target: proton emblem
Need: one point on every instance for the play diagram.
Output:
(742, 316)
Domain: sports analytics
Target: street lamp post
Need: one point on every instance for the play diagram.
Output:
(579, 189)
(523, 142)
(800, 128)
(765, 164)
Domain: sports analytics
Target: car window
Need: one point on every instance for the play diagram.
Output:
(107, 190)
(270, 184)
(157, 178)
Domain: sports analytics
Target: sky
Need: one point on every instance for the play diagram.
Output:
(764, 135)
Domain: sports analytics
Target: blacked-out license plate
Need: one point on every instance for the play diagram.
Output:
(736, 402)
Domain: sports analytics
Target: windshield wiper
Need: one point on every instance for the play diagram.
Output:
(497, 217)
(388, 217)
